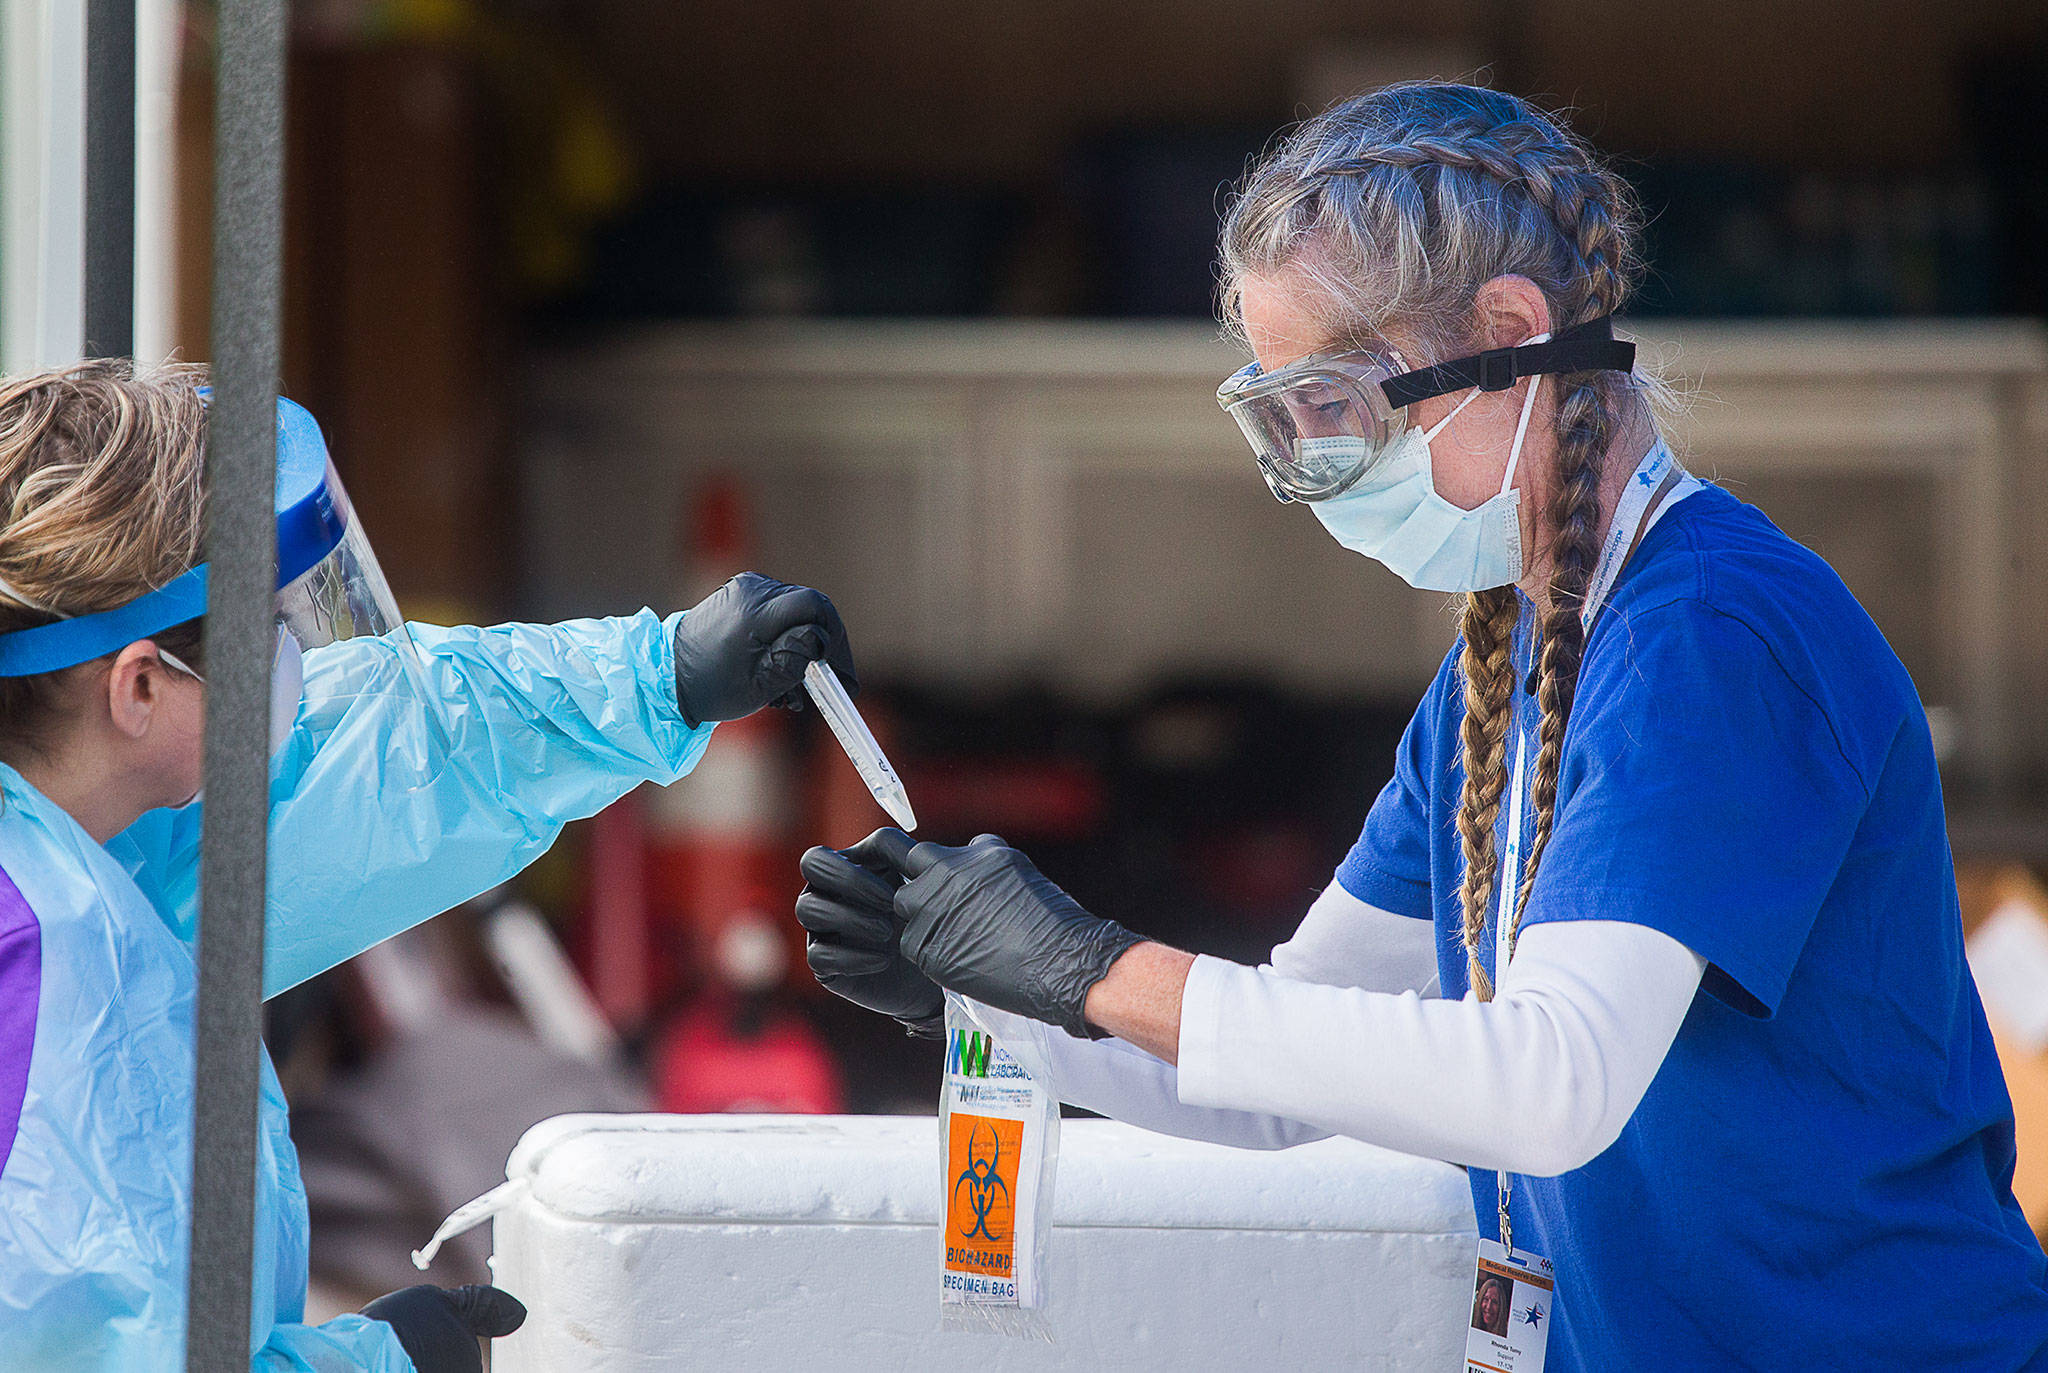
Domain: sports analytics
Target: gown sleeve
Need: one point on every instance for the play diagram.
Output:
(401, 793)
(346, 1344)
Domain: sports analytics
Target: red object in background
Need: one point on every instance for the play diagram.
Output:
(1260, 868)
(670, 868)
(717, 846)
(719, 541)
(618, 944)
(738, 1046)
(712, 1059)
(717, 842)
(1018, 798)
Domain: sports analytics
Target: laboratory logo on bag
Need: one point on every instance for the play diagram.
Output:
(981, 1208)
(968, 1054)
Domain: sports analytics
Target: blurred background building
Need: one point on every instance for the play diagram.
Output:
(602, 300)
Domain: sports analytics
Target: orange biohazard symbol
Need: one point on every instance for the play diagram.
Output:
(981, 1206)
(982, 1183)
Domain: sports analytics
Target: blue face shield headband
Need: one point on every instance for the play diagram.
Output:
(328, 581)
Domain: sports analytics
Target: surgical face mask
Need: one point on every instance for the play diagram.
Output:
(287, 686)
(1395, 516)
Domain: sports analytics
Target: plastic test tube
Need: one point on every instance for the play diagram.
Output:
(852, 732)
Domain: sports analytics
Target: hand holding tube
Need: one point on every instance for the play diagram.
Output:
(746, 645)
(848, 913)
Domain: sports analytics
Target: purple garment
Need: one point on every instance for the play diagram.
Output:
(21, 977)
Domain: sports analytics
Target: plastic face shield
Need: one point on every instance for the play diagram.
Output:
(1316, 426)
(329, 584)
(332, 599)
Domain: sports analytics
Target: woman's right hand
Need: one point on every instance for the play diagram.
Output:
(848, 911)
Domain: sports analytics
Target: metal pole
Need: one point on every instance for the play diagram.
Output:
(110, 178)
(241, 477)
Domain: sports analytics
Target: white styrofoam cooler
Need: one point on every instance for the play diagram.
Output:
(790, 1242)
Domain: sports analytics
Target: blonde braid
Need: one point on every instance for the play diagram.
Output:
(1585, 430)
(1488, 666)
(1585, 425)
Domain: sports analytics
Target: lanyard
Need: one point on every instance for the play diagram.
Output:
(1658, 484)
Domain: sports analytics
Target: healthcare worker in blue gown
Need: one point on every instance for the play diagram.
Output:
(1654, 928)
(413, 768)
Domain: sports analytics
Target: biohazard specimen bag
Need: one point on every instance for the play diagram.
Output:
(999, 1142)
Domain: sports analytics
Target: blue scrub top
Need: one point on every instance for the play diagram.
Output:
(1821, 1174)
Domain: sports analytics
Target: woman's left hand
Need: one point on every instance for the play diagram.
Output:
(438, 1327)
(984, 922)
(848, 912)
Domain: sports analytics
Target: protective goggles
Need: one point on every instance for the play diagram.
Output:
(329, 584)
(1321, 425)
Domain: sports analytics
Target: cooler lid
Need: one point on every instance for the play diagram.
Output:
(882, 1170)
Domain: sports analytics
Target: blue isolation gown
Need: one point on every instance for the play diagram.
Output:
(402, 791)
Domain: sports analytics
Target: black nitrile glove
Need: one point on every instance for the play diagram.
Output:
(985, 923)
(746, 645)
(848, 909)
(440, 1326)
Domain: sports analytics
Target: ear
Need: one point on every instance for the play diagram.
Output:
(1510, 310)
(135, 687)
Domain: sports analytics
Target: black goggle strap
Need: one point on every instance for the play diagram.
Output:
(1588, 347)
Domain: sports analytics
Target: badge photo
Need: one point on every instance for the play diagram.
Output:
(1510, 1319)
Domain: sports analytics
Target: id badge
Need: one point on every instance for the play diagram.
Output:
(1511, 1300)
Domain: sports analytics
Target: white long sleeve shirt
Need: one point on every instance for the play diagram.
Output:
(1341, 1033)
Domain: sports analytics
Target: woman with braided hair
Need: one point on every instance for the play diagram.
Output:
(1655, 928)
